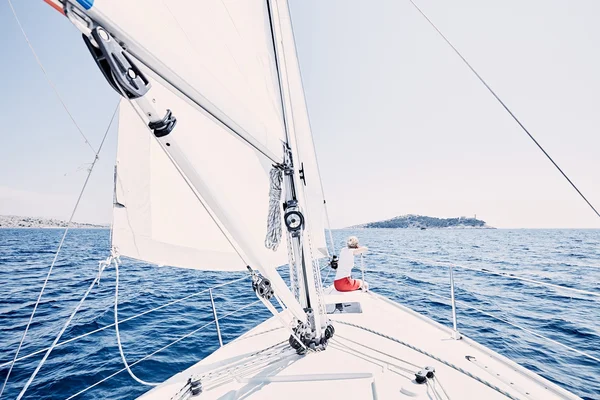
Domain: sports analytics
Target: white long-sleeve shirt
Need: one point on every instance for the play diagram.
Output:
(346, 262)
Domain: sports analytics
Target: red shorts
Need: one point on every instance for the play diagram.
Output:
(347, 284)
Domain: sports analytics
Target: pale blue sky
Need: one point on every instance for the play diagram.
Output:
(400, 124)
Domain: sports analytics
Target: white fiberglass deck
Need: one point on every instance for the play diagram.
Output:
(359, 364)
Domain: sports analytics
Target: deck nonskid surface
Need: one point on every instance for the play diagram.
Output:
(359, 364)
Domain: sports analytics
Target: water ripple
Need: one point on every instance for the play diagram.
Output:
(399, 260)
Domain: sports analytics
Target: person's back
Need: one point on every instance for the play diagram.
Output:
(345, 264)
(343, 278)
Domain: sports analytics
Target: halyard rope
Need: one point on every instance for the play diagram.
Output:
(449, 364)
(274, 230)
(116, 262)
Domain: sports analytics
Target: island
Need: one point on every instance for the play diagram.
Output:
(411, 221)
(14, 221)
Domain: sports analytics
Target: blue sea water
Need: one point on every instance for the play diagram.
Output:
(400, 265)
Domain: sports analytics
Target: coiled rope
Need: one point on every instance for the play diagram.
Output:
(274, 230)
(436, 358)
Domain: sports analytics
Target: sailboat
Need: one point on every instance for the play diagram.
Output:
(216, 170)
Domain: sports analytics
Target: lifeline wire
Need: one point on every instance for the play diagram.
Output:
(501, 320)
(161, 349)
(504, 106)
(64, 328)
(62, 240)
(449, 364)
(498, 273)
(127, 319)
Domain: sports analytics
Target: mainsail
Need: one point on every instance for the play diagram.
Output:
(225, 51)
(214, 64)
(222, 51)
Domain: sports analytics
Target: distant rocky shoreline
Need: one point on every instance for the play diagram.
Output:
(411, 221)
(16, 222)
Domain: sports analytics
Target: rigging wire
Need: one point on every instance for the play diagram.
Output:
(531, 332)
(432, 356)
(60, 245)
(505, 107)
(127, 319)
(50, 82)
(498, 273)
(208, 209)
(103, 265)
(327, 276)
(162, 348)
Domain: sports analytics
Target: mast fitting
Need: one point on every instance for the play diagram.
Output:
(122, 74)
(293, 218)
(164, 126)
(262, 286)
(116, 64)
(424, 374)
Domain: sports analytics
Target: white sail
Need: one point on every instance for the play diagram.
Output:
(157, 216)
(225, 52)
(213, 63)
(220, 52)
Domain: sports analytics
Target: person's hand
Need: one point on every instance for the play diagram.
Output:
(364, 286)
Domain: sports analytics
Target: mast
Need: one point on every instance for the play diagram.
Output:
(307, 270)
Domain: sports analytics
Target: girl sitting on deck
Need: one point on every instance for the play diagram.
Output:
(343, 278)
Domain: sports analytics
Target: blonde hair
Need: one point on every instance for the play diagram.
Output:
(352, 242)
